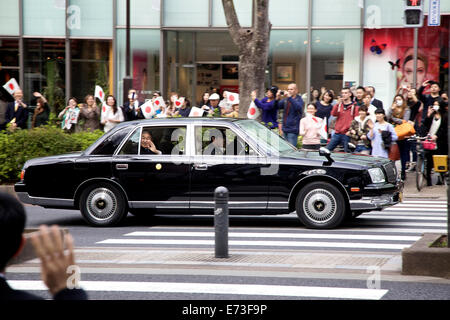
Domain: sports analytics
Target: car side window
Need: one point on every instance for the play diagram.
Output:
(132, 144)
(110, 144)
(220, 141)
(163, 140)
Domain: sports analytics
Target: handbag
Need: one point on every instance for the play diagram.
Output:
(404, 130)
(429, 144)
(394, 152)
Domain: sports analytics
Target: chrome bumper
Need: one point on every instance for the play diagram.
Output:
(24, 197)
(378, 202)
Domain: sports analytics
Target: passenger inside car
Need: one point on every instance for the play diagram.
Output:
(147, 145)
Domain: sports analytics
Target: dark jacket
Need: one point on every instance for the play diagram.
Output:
(377, 103)
(442, 133)
(427, 100)
(130, 114)
(269, 111)
(293, 111)
(8, 293)
(21, 115)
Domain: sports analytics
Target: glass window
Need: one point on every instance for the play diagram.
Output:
(145, 61)
(110, 144)
(90, 67)
(9, 60)
(9, 17)
(287, 13)
(336, 13)
(132, 144)
(167, 140)
(45, 70)
(44, 17)
(193, 13)
(243, 10)
(142, 13)
(215, 46)
(217, 141)
(335, 60)
(380, 13)
(288, 53)
(89, 18)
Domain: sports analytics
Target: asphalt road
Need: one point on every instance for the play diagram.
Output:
(164, 258)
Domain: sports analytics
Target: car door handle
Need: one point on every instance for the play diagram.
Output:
(122, 166)
(202, 166)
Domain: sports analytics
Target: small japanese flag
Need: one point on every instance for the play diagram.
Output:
(232, 98)
(196, 112)
(253, 111)
(159, 102)
(105, 109)
(99, 93)
(179, 102)
(11, 86)
(148, 109)
(323, 131)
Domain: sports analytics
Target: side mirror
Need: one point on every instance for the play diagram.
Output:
(324, 152)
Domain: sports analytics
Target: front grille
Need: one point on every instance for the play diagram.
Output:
(391, 172)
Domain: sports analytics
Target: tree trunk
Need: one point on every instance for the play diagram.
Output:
(253, 45)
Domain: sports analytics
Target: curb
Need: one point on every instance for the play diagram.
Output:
(421, 259)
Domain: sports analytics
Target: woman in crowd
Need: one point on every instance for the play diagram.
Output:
(416, 107)
(400, 113)
(359, 129)
(269, 107)
(113, 115)
(90, 112)
(204, 102)
(42, 111)
(435, 126)
(381, 129)
(315, 95)
(185, 109)
(69, 116)
(310, 127)
(324, 105)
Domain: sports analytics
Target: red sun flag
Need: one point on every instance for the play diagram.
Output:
(177, 103)
(148, 109)
(104, 109)
(157, 102)
(11, 86)
(252, 111)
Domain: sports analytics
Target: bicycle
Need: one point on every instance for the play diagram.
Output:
(421, 164)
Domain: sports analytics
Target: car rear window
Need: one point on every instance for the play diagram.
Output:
(110, 144)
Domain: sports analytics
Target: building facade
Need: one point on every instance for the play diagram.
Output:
(63, 48)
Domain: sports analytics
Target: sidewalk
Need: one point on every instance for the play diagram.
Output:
(435, 191)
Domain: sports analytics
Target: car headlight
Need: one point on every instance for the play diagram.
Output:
(377, 175)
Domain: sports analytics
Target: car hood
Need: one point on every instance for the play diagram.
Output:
(340, 158)
(53, 159)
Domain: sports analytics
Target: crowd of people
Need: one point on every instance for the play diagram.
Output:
(354, 115)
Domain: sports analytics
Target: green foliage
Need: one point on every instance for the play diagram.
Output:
(22, 145)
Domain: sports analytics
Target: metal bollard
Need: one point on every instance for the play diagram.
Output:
(221, 222)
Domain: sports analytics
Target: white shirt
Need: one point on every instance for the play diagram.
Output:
(434, 126)
(111, 116)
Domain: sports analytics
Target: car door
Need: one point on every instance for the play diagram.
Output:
(154, 180)
(234, 165)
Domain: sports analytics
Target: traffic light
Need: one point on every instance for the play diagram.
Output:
(413, 13)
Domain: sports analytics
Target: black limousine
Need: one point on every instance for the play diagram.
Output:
(174, 165)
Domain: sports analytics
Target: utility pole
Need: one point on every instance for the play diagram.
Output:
(127, 80)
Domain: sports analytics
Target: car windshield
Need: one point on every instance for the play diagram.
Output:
(264, 137)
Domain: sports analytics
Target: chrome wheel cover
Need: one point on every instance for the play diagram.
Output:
(319, 206)
(101, 204)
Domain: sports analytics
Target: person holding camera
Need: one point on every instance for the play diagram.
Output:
(292, 106)
(49, 246)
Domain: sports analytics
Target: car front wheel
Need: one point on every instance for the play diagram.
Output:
(103, 205)
(320, 205)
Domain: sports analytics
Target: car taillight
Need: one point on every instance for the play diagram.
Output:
(22, 174)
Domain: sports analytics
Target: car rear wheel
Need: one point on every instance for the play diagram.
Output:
(103, 205)
(320, 205)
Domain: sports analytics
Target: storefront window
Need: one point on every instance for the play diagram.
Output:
(287, 13)
(44, 17)
(336, 13)
(335, 59)
(193, 13)
(391, 66)
(145, 46)
(380, 13)
(142, 12)
(288, 58)
(45, 70)
(89, 18)
(243, 11)
(9, 17)
(9, 64)
(91, 66)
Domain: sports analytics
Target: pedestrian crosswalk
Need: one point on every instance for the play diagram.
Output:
(393, 230)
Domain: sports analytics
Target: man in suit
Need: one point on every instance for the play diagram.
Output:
(17, 112)
(131, 109)
(377, 103)
(49, 247)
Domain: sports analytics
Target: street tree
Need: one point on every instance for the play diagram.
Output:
(253, 46)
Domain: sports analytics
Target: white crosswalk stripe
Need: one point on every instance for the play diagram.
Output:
(393, 231)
